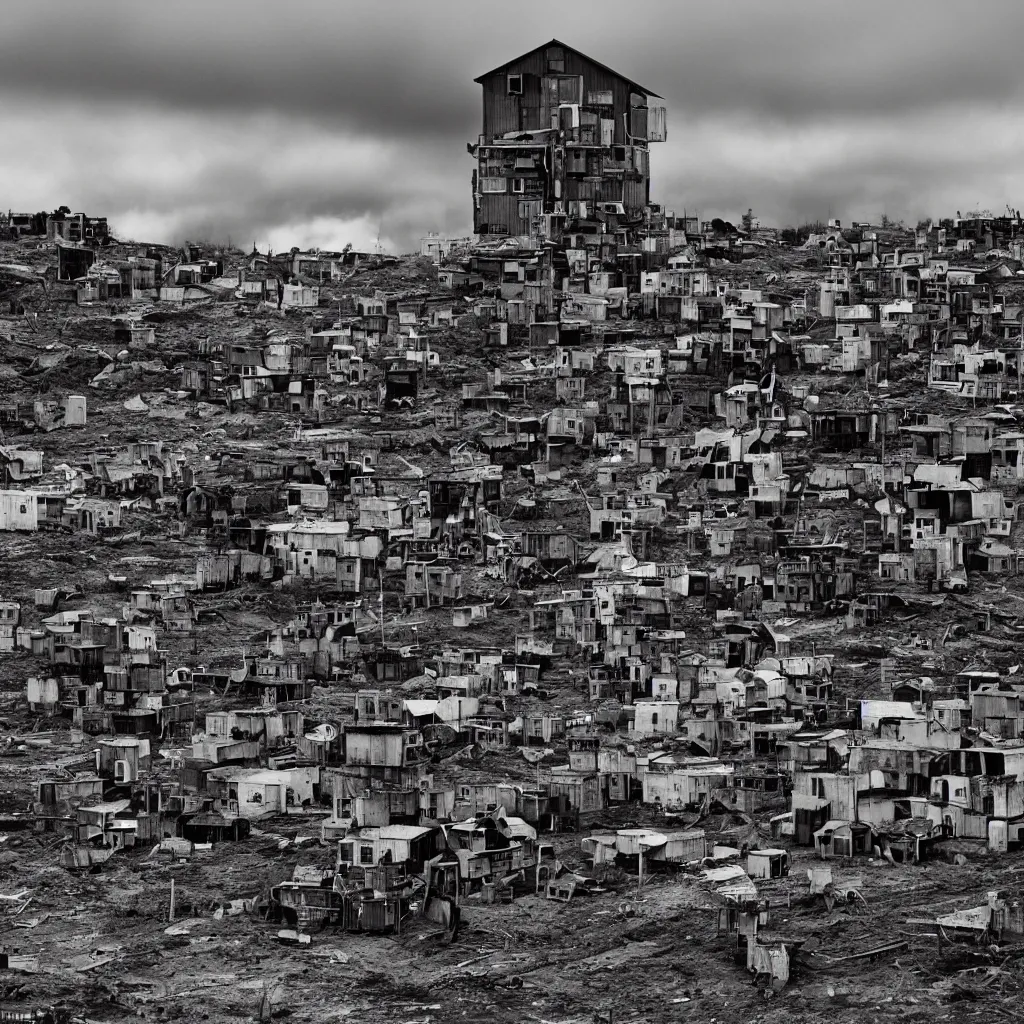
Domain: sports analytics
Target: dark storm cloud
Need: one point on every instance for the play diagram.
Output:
(244, 186)
(240, 187)
(245, 202)
(405, 67)
(363, 84)
(358, 113)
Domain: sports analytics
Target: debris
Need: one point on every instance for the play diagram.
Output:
(512, 615)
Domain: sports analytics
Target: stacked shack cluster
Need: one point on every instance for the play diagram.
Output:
(608, 581)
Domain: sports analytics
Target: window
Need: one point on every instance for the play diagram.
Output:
(518, 184)
(492, 185)
(514, 84)
(570, 90)
(555, 57)
(365, 854)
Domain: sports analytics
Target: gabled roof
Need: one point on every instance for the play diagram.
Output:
(579, 53)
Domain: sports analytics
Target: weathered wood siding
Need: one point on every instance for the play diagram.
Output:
(505, 113)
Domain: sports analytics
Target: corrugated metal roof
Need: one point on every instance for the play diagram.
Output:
(402, 832)
(887, 709)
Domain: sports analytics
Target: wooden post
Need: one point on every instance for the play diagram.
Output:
(171, 915)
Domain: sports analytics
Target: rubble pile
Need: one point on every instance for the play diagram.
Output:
(608, 616)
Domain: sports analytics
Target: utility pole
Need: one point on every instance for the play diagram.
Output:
(1020, 351)
(882, 422)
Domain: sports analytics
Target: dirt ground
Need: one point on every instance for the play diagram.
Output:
(649, 953)
(106, 948)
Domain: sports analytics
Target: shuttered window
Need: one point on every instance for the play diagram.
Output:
(638, 122)
(570, 89)
(657, 124)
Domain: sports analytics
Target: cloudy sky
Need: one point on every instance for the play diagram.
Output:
(344, 121)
